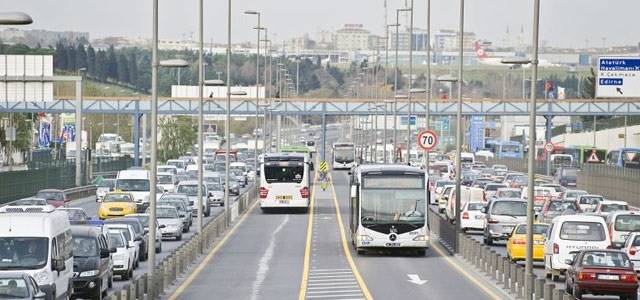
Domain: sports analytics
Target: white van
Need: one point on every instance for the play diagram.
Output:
(467, 157)
(284, 181)
(138, 183)
(37, 240)
(443, 168)
(569, 234)
(467, 194)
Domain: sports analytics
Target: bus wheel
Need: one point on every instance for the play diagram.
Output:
(360, 251)
(421, 252)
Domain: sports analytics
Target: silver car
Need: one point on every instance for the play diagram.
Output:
(169, 217)
(502, 215)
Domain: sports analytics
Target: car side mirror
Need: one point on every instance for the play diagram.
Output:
(113, 250)
(40, 295)
(483, 210)
(138, 239)
(182, 215)
(57, 264)
(104, 252)
(568, 261)
(210, 194)
(162, 226)
(146, 230)
(98, 200)
(131, 244)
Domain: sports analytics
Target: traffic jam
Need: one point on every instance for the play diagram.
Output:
(52, 247)
(581, 241)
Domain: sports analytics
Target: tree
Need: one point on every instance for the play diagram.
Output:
(179, 134)
(60, 56)
(112, 63)
(71, 58)
(589, 86)
(81, 56)
(133, 69)
(123, 69)
(101, 65)
(91, 60)
(24, 131)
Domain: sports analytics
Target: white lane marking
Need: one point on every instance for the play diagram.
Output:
(334, 291)
(415, 278)
(333, 287)
(263, 265)
(334, 296)
(323, 276)
(312, 270)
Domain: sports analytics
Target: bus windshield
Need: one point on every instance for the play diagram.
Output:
(133, 185)
(510, 148)
(393, 200)
(283, 174)
(343, 154)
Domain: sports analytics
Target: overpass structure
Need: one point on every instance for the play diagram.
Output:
(337, 106)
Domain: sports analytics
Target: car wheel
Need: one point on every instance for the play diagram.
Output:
(97, 295)
(567, 288)
(488, 241)
(555, 278)
(159, 249)
(110, 281)
(632, 297)
(577, 293)
(127, 274)
(179, 237)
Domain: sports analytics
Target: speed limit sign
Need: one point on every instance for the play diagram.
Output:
(427, 139)
(548, 147)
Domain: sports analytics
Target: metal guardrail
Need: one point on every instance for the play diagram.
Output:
(445, 230)
(169, 269)
(74, 193)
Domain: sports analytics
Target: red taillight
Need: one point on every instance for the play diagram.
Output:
(484, 196)
(263, 193)
(628, 277)
(556, 248)
(493, 221)
(586, 275)
(610, 230)
(632, 251)
(304, 192)
(518, 242)
(465, 215)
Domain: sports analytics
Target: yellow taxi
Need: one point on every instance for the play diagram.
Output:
(116, 204)
(516, 245)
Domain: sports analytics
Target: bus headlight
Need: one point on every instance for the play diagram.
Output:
(420, 238)
(364, 238)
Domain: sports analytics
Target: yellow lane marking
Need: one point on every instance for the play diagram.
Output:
(473, 280)
(345, 245)
(307, 249)
(210, 255)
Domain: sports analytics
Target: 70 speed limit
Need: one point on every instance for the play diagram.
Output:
(427, 140)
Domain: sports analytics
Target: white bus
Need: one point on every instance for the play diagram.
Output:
(284, 181)
(388, 208)
(344, 156)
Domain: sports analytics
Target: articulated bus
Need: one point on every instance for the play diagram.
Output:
(624, 158)
(388, 208)
(344, 156)
(284, 181)
(586, 154)
(504, 149)
(300, 149)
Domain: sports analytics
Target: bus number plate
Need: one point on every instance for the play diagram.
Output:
(283, 199)
(392, 244)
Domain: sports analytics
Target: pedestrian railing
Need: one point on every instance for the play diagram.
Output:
(180, 261)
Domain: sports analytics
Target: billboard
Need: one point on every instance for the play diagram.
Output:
(618, 77)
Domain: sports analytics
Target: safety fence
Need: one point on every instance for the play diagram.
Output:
(509, 275)
(443, 229)
(58, 174)
(182, 259)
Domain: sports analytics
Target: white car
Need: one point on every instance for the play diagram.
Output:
(168, 182)
(169, 217)
(130, 236)
(604, 208)
(472, 216)
(621, 224)
(632, 248)
(589, 202)
(123, 263)
(574, 194)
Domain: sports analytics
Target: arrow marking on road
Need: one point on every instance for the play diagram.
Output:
(414, 278)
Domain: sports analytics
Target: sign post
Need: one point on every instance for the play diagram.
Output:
(618, 77)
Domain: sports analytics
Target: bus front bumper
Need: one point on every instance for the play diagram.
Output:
(399, 243)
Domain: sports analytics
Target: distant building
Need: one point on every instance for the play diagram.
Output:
(420, 39)
(352, 37)
(448, 40)
(325, 40)
(44, 38)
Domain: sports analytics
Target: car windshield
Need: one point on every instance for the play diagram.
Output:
(606, 259)
(84, 246)
(167, 213)
(575, 194)
(590, 200)
(537, 229)
(627, 223)
(443, 183)
(475, 206)
(116, 240)
(165, 179)
(570, 172)
(440, 168)
(582, 231)
(509, 193)
(493, 187)
(50, 195)
(31, 201)
(13, 288)
(107, 183)
(167, 170)
(283, 174)
(613, 207)
(23, 253)
(214, 186)
(190, 190)
(117, 198)
(561, 206)
(520, 180)
(142, 218)
(509, 208)
(133, 185)
(179, 205)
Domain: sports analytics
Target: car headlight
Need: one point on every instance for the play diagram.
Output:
(420, 238)
(89, 273)
(364, 238)
(42, 278)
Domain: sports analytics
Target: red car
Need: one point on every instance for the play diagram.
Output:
(57, 198)
(601, 272)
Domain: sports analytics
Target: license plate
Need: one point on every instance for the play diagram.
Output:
(283, 201)
(284, 197)
(538, 242)
(507, 228)
(392, 244)
(608, 277)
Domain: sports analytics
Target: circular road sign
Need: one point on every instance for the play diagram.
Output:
(427, 139)
(548, 147)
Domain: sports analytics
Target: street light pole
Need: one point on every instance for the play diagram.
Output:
(227, 121)
(410, 83)
(395, 91)
(151, 249)
(532, 146)
(459, 121)
(200, 115)
(427, 112)
(255, 178)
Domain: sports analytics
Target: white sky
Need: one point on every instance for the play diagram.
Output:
(565, 23)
